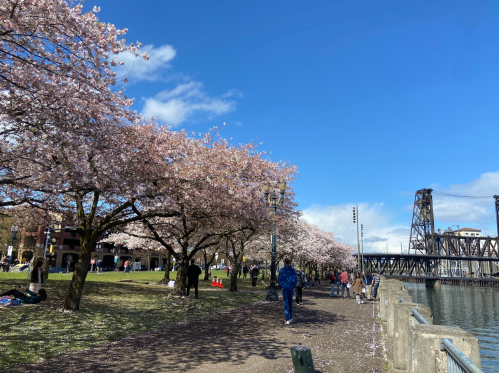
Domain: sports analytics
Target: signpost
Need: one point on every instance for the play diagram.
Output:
(92, 262)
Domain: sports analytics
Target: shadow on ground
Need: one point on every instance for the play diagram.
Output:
(229, 337)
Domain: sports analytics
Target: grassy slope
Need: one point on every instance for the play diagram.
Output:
(110, 310)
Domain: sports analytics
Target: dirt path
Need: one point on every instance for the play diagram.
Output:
(344, 337)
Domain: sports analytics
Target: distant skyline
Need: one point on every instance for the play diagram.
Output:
(371, 100)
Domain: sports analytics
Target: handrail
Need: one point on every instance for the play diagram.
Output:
(456, 360)
(402, 300)
(419, 317)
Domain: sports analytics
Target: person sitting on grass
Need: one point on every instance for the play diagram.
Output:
(32, 298)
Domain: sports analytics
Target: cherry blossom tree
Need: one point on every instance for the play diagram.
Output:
(55, 77)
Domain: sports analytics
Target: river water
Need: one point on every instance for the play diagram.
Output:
(471, 308)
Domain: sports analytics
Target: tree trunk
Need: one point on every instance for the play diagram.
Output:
(233, 275)
(207, 265)
(235, 270)
(181, 282)
(166, 279)
(75, 291)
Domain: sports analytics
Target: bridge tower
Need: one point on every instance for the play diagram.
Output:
(423, 227)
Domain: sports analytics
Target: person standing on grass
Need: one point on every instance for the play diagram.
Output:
(357, 285)
(254, 275)
(287, 282)
(99, 266)
(344, 282)
(193, 273)
(245, 271)
(36, 280)
(300, 282)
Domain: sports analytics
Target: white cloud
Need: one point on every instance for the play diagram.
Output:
(238, 124)
(233, 93)
(185, 101)
(473, 212)
(137, 69)
(379, 230)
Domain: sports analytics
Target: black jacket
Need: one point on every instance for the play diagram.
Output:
(255, 272)
(193, 273)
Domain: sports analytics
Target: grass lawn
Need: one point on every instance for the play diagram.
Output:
(109, 311)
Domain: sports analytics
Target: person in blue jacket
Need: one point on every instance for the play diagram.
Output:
(287, 282)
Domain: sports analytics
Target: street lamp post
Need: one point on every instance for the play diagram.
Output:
(273, 202)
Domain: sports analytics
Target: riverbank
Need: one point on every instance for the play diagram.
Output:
(344, 337)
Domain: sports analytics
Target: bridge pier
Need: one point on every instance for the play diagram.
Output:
(432, 283)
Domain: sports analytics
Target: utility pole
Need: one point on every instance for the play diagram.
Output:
(497, 213)
(362, 242)
(356, 220)
(400, 247)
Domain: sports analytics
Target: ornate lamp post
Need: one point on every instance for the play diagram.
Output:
(273, 202)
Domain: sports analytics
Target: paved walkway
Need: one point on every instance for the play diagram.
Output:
(344, 337)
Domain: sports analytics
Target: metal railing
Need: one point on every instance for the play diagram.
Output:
(418, 318)
(457, 362)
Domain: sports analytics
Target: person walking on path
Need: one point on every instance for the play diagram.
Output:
(369, 285)
(357, 285)
(338, 282)
(36, 279)
(254, 275)
(333, 283)
(287, 282)
(376, 280)
(193, 273)
(239, 272)
(300, 282)
(344, 282)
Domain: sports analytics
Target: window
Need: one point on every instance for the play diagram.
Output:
(73, 234)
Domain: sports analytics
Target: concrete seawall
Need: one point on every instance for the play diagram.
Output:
(413, 342)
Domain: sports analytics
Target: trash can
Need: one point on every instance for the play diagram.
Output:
(302, 359)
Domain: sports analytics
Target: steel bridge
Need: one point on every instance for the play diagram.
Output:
(431, 266)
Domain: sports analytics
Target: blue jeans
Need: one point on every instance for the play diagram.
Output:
(343, 287)
(287, 297)
(375, 291)
(332, 290)
(338, 285)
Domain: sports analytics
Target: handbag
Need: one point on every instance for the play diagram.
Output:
(349, 285)
(363, 290)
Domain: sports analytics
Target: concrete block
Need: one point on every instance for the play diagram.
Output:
(384, 291)
(403, 321)
(424, 349)
(393, 299)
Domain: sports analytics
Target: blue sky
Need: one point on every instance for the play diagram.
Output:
(371, 99)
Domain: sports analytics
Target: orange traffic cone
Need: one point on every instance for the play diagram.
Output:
(217, 285)
(221, 283)
(213, 282)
